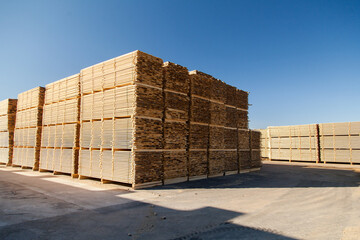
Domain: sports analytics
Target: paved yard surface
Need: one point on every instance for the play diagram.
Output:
(279, 202)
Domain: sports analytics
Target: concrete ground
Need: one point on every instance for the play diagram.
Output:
(280, 202)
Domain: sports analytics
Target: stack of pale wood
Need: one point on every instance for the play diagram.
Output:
(264, 143)
(145, 122)
(7, 125)
(293, 143)
(107, 126)
(60, 126)
(27, 135)
(320, 143)
(340, 142)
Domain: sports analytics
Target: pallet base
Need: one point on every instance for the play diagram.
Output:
(175, 180)
(25, 167)
(216, 175)
(231, 172)
(101, 180)
(254, 169)
(75, 175)
(194, 178)
(146, 185)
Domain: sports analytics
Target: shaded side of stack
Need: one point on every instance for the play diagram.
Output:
(232, 138)
(199, 125)
(242, 124)
(60, 126)
(106, 126)
(219, 134)
(176, 84)
(148, 143)
(340, 142)
(294, 143)
(220, 160)
(255, 146)
(27, 134)
(7, 125)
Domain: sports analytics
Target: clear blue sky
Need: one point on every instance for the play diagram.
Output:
(300, 60)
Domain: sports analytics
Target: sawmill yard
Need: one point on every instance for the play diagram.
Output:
(282, 201)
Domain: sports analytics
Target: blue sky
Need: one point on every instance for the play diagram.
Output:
(300, 60)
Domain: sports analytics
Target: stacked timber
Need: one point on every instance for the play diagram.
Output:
(264, 143)
(255, 146)
(7, 125)
(199, 125)
(242, 124)
(218, 121)
(60, 126)
(148, 121)
(27, 134)
(294, 143)
(176, 85)
(232, 163)
(121, 120)
(220, 159)
(340, 142)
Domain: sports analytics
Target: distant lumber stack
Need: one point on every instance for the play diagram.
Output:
(294, 143)
(318, 143)
(340, 142)
(27, 135)
(60, 126)
(7, 125)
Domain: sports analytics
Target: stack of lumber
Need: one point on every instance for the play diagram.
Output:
(294, 143)
(145, 122)
(264, 143)
(340, 142)
(27, 135)
(7, 125)
(121, 119)
(255, 146)
(134, 119)
(199, 125)
(176, 90)
(219, 134)
(60, 126)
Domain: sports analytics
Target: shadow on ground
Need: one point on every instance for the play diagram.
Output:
(32, 207)
(278, 176)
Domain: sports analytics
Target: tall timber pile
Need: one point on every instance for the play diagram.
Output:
(145, 122)
(27, 135)
(137, 120)
(7, 125)
(294, 143)
(60, 126)
(320, 143)
(340, 142)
